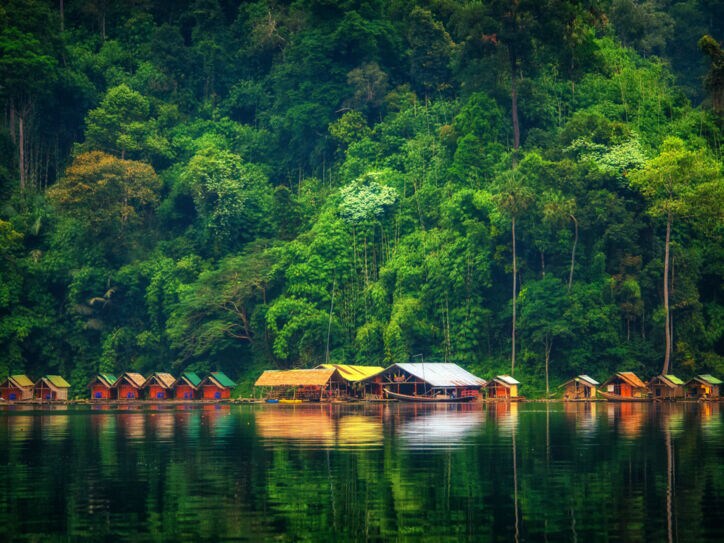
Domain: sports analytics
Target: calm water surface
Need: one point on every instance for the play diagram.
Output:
(529, 472)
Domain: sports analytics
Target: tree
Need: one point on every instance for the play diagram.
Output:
(513, 199)
(26, 71)
(675, 183)
(110, 197)
(232, 198)
(542, 318)
(714, 81)
(557, 208)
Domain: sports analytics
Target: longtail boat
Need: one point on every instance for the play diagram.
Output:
(440, 398)
(618, 398)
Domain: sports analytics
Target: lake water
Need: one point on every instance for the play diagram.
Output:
(506, 472)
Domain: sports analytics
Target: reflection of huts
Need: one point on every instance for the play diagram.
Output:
(159, 386)
(582, 387)
(502, 387)
(102, 386)
(666, 387)
(317, 384)
(187, 386)
(354, 376)
(425, 379)
(16, 387)
(51, 388)
(624, 385)
(703, 387)
(128, 386)
(216, 386)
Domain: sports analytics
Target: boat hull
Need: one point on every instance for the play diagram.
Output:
(427, 399)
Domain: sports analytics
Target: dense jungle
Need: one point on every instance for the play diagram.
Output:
(531, 187)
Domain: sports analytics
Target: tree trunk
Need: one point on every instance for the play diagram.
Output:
(515, 274)
(667, 353)
(514, 99)
(548, 348)
(21, 151)
(573, 252)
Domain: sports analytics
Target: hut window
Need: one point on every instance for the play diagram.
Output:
(98, 395)
(13, 396)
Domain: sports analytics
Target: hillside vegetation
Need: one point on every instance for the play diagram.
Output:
(531, 187)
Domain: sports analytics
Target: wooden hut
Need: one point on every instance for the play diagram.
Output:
(354, 376)
(624, 385)
(425, 379)
(704, 387)
(187, 386)
(216, 386)
(51, 388)
(159, 386)
(16, 387)
(582, 387)
(317, 384)
(129, 386)
(666, 387)
(502, 387)
(101, 387)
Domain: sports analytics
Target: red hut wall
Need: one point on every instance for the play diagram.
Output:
(11, 393)
(212, 392)
(499, 391)
(156, 392)
(184, 392)
(127, 392)
(100, 392)
(43, 392)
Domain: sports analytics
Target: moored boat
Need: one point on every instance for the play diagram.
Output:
(618, 398)
(439, 398)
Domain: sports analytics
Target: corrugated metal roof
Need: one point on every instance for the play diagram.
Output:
(166, 380)
(135, 379)
(673, 379)
(507, 379)
(353, 373)
(280, 378)
(222, 379)
(441, 374)
(191, 378)
(58, 381)
(590, 380)
(709, 379)
(21, 380)
(109, 378)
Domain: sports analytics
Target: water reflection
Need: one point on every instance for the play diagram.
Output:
(504, 472)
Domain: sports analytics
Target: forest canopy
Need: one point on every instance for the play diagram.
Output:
(529, 187)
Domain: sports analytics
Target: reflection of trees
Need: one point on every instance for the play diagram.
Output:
(566, 473)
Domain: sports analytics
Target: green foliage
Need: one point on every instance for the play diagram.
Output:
(233, 185)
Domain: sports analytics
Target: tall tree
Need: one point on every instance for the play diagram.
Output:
(677, 183)
(514, 198)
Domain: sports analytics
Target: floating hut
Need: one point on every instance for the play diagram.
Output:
(159, 386)
(317, 384)
(16, 387)
(51, 388)
(217, 386)
(129, 386)
(425, 379)
(703, 387)
(666, 387)
(102, 386)
(502, 387)
(354, 376)
(624, 385)
(582, 387)
(187, 386)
